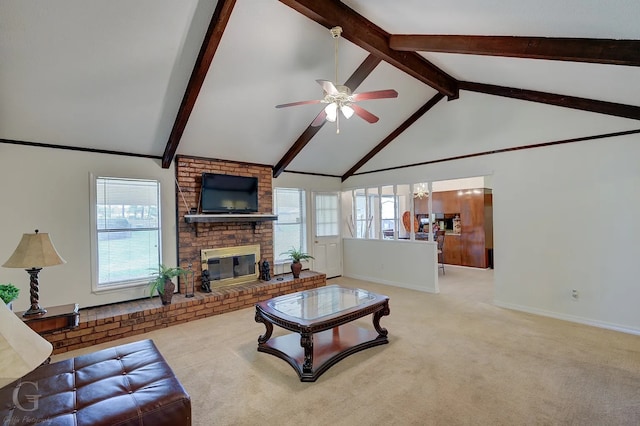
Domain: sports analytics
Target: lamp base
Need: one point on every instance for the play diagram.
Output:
(37, 311)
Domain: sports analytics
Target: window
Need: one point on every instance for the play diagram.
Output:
(389, 216)
(361, 213)
(126, 231)
(290, 228)
(327, 214)
(376, 211)
(373, 225)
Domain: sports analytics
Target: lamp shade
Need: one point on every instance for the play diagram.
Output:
(21, 348)
(34, 251)
(332, 112)
(347, 111)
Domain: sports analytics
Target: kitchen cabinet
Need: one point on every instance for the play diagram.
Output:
(474, 208)
(452, 249)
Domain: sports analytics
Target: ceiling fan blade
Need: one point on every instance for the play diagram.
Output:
(377, 94)
(298, 103)
(319, 119)
(328, 87)
(364, 114)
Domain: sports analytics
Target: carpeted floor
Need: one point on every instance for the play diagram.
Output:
(453, 359)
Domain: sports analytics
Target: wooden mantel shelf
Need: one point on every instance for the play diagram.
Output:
(229, 217)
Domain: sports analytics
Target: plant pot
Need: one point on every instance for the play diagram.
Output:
(10, 305)
(296, 267)
(167, 294)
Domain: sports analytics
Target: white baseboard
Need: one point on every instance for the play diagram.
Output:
(570, 318)
(391, 283)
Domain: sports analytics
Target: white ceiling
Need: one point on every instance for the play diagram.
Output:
(111, 74)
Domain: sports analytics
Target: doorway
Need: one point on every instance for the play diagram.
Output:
(327, 243)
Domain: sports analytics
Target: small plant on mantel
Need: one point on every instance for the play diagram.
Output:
(296, 255)
(163, 284)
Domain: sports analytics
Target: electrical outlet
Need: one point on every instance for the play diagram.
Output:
(574, 294)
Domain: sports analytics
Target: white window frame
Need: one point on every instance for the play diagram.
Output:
(96, 286)
(302, 223)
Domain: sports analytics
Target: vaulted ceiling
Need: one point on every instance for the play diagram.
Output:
(158, 78)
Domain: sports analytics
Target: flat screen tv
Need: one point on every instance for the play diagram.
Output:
(228, 194)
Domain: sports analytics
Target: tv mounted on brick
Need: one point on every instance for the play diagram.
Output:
(228, 194)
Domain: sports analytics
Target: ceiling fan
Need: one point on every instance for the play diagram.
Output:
(340, 98)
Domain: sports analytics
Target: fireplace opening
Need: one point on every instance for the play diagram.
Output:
(230, 265)
(222, 268)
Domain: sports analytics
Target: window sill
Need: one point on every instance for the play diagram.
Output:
(115, 288)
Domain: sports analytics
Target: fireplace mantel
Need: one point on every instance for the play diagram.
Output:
(229, 217)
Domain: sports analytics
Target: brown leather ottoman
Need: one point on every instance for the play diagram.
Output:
(126, 385)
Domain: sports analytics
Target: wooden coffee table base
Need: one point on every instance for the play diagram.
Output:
(329, 347)
(322, 326)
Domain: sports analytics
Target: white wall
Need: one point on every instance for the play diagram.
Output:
(458, 184)
(308, 182)
(48, 189)
(398, 263)
(565, 217)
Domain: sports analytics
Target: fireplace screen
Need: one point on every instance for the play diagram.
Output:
(230, 265)
(222, 268)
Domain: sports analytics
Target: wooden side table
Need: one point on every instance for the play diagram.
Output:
(56, 318)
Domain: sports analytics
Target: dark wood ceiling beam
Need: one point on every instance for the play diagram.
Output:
(362, 72)
(386, 141)
(602, 107)
(208, 49)
(600, 51)
(375, 40)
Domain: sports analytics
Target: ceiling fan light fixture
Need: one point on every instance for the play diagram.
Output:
(347, 111)
(340, 97)
(332, 112)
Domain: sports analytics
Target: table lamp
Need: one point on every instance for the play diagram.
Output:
(34, 252)
(21, 348)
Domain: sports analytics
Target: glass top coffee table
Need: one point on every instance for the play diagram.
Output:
(320, 319)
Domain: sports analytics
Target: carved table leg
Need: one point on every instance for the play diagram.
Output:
(306, 341)
(267, 335)
(376, 319)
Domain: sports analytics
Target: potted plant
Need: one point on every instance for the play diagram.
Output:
(296, 255)
(163, 284)
(9, 293)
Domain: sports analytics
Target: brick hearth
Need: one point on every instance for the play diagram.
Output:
(107, 323)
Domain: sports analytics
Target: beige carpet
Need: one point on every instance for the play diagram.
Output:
(453, 359)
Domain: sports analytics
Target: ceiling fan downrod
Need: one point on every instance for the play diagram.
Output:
(336, 32)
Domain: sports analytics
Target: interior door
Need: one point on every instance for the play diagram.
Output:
(327, 243)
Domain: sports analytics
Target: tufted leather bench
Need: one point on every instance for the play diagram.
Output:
(129, 384)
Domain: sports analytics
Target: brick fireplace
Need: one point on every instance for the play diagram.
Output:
(194, 237)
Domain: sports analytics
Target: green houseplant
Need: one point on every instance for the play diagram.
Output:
(163, 282)
(296, 255)
(9, 293)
